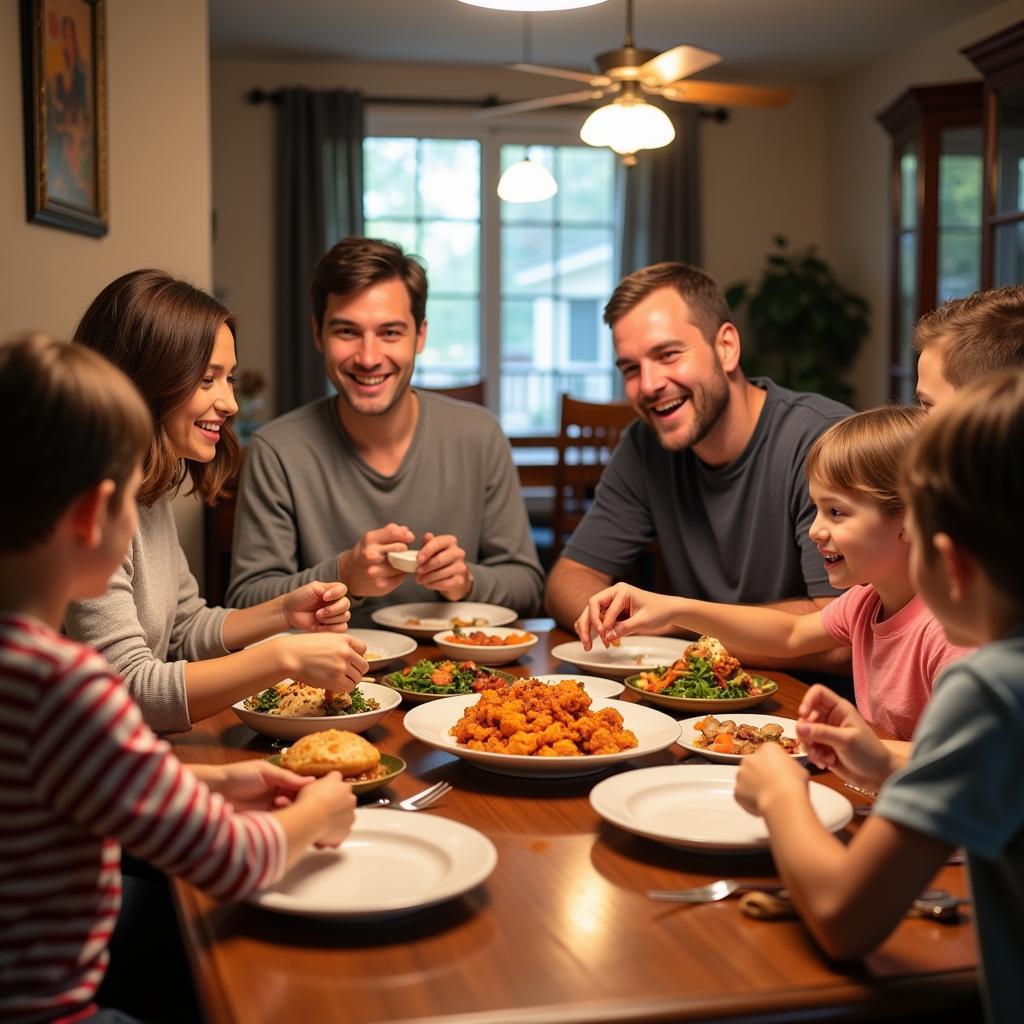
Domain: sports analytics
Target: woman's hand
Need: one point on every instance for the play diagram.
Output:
(254, 785)
(317, 608)
(768, 774)
(835, 736)
(328, 660)
(620, 611)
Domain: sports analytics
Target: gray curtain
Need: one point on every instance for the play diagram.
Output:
(319, 201)
(659, 201)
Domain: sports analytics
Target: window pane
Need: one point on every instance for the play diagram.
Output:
(453, 341)
(908, 188)
(518, 330)
(960, 172)
(389, 176)
(527, 260)
(908, 296)
(584, 262)
(452, 254)
(1010, 158)
(449, 183)
(541, 211)
(402, 232)
(587, 179)
(1009, 254)
(959, 262)
(584, 330)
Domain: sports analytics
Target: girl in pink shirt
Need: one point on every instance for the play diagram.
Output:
(898, 647)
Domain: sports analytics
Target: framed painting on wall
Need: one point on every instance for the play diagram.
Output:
(65, 90)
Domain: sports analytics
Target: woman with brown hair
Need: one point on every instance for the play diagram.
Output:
(178, 345)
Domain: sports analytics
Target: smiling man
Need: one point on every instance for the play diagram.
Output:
(714, 469)
(330, 488)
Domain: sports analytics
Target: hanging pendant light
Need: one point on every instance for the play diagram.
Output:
(526, 181)
(627, 124)
(532, 5)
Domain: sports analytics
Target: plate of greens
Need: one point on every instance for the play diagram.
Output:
(432, 680)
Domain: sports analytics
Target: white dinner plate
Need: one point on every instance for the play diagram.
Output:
(594, 685)
(392, 862)
(436, 615)
(688, 730)
(430, 723)
(384, 646)
(633, 654)
(291, 727)
(693, 806)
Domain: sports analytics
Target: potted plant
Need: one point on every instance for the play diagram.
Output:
(806, 326)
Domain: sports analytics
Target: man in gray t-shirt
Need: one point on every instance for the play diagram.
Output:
(329, 489)
(714, 469)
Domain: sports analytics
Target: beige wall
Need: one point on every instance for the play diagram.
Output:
(857, 166)
(159, 174)
(783, 149)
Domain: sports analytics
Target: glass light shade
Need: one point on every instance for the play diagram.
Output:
(526, 182)
(628, 125)
(532, 5)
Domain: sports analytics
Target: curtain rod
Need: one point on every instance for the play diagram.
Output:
(257, 96)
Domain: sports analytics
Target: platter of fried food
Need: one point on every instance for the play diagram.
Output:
(358, 761)
(694, 806)
(292, 709)
(622, 659)
(535, 729)
(493, 645)
(391, 863)
(706, 677)
(424, 618)
(731, 739)
(435, 680)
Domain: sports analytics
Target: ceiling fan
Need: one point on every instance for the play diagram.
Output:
(628, 72)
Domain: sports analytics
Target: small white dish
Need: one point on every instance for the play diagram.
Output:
(404, 560)
(688, 731)
(391, 863)
(633, 654)
(483, 654)
(383, 647)
(594, 685)
(693, 806)
(291, 727)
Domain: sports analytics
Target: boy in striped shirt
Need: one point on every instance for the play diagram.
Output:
(81, 775)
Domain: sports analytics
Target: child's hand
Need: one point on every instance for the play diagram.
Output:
(330, 660)
(318, 607)
(835, 736)
(620, 611)
(768, 774)
(337, 811)
(256, 785)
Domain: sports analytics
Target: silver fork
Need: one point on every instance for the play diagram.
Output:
(418, 801)
(712, 891)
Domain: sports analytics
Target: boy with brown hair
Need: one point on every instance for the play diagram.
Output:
(964, 339)
(961, 785)
(80, 773)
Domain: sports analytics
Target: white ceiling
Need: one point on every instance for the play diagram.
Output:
(773, 40)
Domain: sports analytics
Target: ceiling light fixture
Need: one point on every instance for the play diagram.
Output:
(532, 5)
(526, 181)
(627, 124)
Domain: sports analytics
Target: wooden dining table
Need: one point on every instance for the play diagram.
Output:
(562, 931)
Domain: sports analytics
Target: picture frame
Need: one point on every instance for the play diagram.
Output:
(64, 71)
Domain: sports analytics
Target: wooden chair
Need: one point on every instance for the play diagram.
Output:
(588, 435)
(466, 393)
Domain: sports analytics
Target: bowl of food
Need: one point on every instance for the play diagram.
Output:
(404, 560)
(491, 645)
(706, 678)
(434, 680)
(291, 709)
(359, 762)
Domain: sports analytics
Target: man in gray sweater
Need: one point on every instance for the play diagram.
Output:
(330, 488)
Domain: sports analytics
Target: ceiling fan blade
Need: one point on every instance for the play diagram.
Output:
(523, 106)
(726, 95)
(679, 62)
(576, 76)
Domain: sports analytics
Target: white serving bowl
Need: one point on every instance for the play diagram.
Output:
(404, 560)
(294, 726)
(485, 655)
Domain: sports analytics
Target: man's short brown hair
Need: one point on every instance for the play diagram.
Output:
(708, 308)
(355, 264)
(976, 335)
(962, 477)
(71, 421)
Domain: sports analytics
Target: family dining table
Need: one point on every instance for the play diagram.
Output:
(562, 930)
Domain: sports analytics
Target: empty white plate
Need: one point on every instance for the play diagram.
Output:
(383, 647)
(632, 655)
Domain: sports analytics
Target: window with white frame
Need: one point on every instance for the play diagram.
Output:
(516, 290)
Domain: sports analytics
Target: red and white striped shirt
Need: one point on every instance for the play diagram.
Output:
(81, 775)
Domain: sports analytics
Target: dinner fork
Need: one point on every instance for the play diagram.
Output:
(712, 891)
(418, 801)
